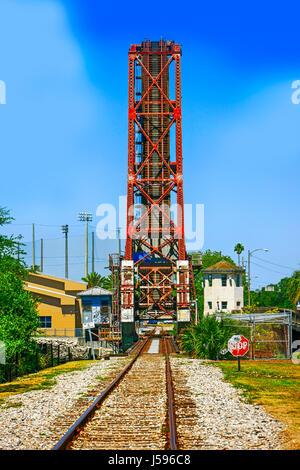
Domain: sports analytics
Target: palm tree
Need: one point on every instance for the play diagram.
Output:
(238, 249)
(207, 339)
(96, 280)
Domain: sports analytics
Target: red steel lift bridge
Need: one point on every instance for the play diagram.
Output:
(156, 273)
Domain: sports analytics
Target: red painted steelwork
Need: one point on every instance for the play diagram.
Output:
(155, 242)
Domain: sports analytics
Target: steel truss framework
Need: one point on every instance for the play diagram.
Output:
(155, 241)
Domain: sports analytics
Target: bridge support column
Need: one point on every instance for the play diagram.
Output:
(127, 304)
(128, 335)
(183, 295)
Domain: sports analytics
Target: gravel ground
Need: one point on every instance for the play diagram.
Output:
(34, 424)
(212, 414)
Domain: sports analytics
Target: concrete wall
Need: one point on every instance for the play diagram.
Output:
(79, 349)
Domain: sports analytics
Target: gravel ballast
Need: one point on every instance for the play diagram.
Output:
(212, 414)
(33, 424)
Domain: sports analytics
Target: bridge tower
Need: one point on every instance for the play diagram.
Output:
(156, 272)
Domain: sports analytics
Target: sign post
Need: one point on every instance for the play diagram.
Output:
(238, 346)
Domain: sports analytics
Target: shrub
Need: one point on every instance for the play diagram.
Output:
(207, 339)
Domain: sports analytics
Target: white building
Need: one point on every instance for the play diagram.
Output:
(223, 289)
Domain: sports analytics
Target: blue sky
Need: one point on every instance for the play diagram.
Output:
(63, 130)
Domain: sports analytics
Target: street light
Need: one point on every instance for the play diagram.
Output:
(249, 280)
(85, 217)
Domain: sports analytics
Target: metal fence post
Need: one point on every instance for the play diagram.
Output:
(37, 360)
(290, 333)
(51, 352)
(254, 335)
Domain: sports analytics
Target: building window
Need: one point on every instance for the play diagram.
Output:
(209, 305)
(104, 306)
(238, 304)
(238, 281)
(210, 280)
(224, 305)
(224, 280)
(46, 322)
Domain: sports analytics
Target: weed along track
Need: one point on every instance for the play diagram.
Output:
(136, 411)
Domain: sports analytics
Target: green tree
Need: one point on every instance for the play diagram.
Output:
(96, 280)
(106, 282)
(293, 288)
(239, 248)
(18, 312)
(284, 294)
(18, 315)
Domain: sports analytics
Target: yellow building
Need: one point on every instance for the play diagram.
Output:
(59, 307)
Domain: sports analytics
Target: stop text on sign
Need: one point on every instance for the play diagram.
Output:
(238, 345)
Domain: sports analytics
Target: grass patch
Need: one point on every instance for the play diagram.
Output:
(275, 386)
(8, 404)
(42, 380)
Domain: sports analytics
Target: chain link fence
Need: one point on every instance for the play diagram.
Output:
(46, 355)
(270, 335)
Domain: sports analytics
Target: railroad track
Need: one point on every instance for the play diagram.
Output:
(135, 411)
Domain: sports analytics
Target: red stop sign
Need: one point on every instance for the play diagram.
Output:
(238, 345)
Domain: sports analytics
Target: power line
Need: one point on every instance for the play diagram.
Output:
(275, 264)
(58, 226)
(268, 269)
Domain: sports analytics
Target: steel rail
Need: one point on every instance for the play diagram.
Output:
(134, 347)
(171, 417)
(68, 437)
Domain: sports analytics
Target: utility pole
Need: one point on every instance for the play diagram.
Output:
(85, 217)
(42, 255)
(33, 248)
(65, 230)
(249, 297)
(243, 262)
(249, 278)
(93, 252)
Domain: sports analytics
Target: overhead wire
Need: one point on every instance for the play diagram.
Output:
(275, 264)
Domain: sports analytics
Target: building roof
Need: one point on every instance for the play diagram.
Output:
(223, 266)
(45, 286)
(55, 283)
(94, 291)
